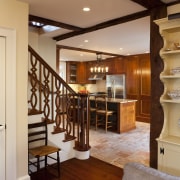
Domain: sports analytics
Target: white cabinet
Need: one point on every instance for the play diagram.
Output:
(169, 139)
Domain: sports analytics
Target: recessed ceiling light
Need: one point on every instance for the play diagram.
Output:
(86, 9)
(86, 41)
(37, 24)
(50, 28)
(120, 49)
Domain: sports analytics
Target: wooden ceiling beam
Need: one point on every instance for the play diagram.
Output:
(53, 23)
(149, 4)
(106, 24)
(87, 50)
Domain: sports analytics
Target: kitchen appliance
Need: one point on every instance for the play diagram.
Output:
(116, 86)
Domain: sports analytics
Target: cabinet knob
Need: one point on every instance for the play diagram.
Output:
(161, 150)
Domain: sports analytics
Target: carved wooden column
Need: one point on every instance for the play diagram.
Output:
(157, 115)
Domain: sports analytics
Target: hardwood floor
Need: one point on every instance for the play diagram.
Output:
(90, 169)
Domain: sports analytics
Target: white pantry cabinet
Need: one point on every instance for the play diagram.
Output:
(169, 139)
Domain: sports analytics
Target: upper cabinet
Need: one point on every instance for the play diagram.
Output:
(78, 73)
(71, 72)
(169, 139)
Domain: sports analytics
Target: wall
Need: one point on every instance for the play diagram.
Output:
(173, 9)
(14, 15)
(44, 46)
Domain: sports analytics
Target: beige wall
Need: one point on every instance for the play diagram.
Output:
(44, 46)
(14, 15)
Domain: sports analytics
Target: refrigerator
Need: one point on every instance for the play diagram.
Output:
(116, 86)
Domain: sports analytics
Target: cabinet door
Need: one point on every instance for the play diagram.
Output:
(81, 73)
(132, 76)
(89, 64)
(169, 157)
(119, 66)
(110, 64)
(71, 72)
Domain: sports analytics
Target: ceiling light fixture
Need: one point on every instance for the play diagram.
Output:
(99, 67)
(86, 9)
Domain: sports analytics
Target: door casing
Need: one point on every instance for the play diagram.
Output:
(10, 101)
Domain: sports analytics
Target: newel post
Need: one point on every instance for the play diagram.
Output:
(82, 146)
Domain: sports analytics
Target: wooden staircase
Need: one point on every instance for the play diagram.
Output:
(52, 100)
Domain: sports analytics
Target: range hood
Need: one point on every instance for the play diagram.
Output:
(95, 77)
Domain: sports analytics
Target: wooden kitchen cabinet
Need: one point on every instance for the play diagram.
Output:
(138, 84)
(90, 64)
(78, 73)
(119, 65)
(81, 73)
(71, 72)
(127, 116)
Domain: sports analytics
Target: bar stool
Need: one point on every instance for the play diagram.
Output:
(102, 112)
(92, 109)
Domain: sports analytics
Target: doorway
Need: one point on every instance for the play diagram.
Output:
(7, 104)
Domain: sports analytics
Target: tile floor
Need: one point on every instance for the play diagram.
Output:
(118, 149)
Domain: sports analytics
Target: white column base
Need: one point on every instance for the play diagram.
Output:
(82, 154)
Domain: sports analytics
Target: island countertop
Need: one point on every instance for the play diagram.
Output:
(117, 100)
(126, 113)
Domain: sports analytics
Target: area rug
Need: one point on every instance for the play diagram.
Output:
(118, 149)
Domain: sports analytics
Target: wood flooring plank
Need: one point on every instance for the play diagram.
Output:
(90, 169)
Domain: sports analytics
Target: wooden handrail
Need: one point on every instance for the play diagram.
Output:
(50, 69)
(60, 104)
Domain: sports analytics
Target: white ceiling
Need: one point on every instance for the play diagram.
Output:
(133, 36)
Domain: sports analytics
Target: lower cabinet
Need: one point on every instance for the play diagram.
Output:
(126, 116)
(169, 157)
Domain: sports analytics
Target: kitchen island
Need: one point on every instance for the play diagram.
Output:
(126, 113)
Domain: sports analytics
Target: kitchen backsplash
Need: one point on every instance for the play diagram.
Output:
(100, 86)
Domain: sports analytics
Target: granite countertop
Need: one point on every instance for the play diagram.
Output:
(117, 100)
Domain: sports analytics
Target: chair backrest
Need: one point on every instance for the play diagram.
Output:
(101, 102)
(37, 134)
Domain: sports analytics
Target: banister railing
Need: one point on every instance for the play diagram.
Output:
(59, 103)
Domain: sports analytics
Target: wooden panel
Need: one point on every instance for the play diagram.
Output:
(110, 64)
(81, 73)
(88, 66)
(145, 74)
(120, 65)
(132, 75)
(138, 84)
(144, 101)
(127, 116)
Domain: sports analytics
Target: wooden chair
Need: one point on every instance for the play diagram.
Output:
(38, 147)
(102, 112)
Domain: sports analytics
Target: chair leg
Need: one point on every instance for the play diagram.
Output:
(106, 123)
(58, 164)
(38, 164)
(45, 162)
(96, 122)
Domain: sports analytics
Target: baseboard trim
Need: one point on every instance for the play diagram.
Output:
(27, 177)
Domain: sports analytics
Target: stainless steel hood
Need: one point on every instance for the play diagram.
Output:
(95, 77)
